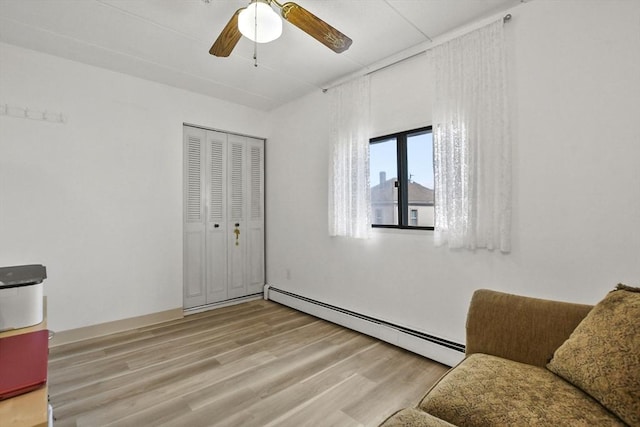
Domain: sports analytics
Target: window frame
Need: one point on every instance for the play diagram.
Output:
(403, 177)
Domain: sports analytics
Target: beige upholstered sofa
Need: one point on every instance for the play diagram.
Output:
(539, 362)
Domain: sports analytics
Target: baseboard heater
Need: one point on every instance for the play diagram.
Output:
(433, 347)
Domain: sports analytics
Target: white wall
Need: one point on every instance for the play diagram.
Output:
(575, 90)
(98, 200)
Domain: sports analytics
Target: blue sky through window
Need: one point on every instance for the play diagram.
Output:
(420, 159)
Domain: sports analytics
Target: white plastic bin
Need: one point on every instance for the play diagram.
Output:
(21, 296)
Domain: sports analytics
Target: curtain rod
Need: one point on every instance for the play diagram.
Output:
(404, 56)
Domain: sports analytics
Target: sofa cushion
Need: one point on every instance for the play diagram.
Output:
(412, 417)
(486, 390)
(602, 355)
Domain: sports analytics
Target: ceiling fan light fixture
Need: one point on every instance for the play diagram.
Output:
(259, 22)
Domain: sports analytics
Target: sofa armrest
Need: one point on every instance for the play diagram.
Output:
(519, 328)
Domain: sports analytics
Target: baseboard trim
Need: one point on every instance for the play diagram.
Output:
(226, 303)
(439, 349)
(101, 329)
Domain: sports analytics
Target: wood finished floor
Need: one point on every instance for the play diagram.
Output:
(254, 364)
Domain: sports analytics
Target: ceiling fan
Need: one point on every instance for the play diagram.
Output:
(291, 12)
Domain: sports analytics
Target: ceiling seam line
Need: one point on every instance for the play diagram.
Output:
(149, 21)
(407, 21)
(147, 61)
(406, 55)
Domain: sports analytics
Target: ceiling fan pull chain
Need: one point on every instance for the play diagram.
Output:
(255, 54)
(255, 36)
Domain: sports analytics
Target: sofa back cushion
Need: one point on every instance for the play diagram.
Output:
(520, 328)
(602, 355)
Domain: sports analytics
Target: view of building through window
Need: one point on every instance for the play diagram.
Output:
(401, 168)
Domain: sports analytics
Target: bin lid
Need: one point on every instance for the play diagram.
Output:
(22, 275)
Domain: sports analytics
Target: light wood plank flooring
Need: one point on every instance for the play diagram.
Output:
(254, 364)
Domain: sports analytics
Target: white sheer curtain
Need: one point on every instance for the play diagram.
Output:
(349, 192)
(472, 154)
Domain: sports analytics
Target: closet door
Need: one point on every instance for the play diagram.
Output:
(237, 231)
(216, 222)
(223, 216)
(194, 287)
(255, 214)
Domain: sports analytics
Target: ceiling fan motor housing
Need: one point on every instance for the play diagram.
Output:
(259, 22)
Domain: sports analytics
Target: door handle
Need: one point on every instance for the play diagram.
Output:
(236, 231)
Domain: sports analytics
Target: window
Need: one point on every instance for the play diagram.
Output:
(401, 168)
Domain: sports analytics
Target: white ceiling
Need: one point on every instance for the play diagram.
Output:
(167, 41)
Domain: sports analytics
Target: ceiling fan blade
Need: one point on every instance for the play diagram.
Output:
(228, 38)
(315, 27)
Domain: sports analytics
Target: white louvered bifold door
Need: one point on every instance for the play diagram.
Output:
(216, 221)
(223, 216)
(237, 232)
(255, 215)
(194, 288)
